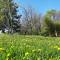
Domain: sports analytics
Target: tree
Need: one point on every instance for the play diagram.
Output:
(16, 25)
(31, 21)
(50, 25)
(51, 13)
(53, 27)
(8, 11)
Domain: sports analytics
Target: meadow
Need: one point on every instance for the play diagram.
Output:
(29, 47)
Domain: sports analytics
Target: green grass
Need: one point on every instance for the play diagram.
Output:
(24, 47)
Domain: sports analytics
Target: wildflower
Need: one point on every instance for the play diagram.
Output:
(12, 46)
(7, 58)
(23, 57)
(58, 48)
(8, 54)
(2, 49)
(38, 58)
(39, 49)
(50, 59)
(55, 46)
(33, 50)
(27, 53)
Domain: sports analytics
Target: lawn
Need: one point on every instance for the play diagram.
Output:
(29, 47)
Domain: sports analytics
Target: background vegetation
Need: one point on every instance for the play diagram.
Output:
(30, 22)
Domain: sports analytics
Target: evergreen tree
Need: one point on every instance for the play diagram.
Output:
(8, 10)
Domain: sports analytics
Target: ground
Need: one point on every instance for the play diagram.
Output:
(29, 47)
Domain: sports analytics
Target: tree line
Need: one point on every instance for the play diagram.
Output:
(29, 22)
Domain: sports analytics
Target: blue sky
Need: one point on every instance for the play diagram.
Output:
(41, 6)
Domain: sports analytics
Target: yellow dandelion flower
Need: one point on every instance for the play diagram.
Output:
(6, 58)
(23, 57)
(38, 58)
(12, 46)
(50, 59)
(33, 50)
(58, 48)
(55, 46)
(8, 54)
(27, 53)
(2, 49)
(39, 49)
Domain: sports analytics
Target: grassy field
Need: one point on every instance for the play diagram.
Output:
(24, 47)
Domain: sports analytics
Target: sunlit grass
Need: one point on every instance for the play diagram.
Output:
(29, 47)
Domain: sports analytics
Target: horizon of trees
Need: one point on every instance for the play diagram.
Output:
(30, 22)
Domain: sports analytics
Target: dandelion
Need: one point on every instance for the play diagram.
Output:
(8, 54)
(55, 46)
(27, 53)
(7, 58)
(38, 58)
(33, 50)
(58, 48)
(39, 49)
(23, 57)
(2, 49)
(12, 46)
(50, 59)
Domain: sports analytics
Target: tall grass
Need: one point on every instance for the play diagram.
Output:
(24, 47)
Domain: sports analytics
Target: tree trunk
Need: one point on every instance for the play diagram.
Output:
(56, 33)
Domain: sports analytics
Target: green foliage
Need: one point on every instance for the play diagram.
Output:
(52, 25)
(8, 11)
(57, 26)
